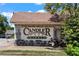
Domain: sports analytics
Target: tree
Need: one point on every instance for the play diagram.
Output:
(67, 9)
(71, 24)
(3, 24)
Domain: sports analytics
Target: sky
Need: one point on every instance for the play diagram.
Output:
(7, 9)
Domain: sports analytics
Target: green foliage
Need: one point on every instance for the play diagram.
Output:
(9, 28)
(71, 32)
(67, 9)
(70, 28)
(72, 50)
(52, 7)
(4, 25)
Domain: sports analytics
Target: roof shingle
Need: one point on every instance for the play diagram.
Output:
(29, 18)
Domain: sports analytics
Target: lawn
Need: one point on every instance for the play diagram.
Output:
(33, 53)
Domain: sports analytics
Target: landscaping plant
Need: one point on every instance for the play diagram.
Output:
(70, 29)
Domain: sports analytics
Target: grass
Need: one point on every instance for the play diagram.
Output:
(33, 53)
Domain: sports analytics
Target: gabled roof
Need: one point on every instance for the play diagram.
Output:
(31, 18)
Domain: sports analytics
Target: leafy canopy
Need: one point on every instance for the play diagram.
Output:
(3, 24)
(71, 24)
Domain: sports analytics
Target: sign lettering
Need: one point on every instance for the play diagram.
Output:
(30, 31)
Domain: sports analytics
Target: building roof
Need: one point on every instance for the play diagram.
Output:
(32, 18)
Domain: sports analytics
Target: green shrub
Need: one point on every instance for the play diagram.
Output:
(72, 50)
